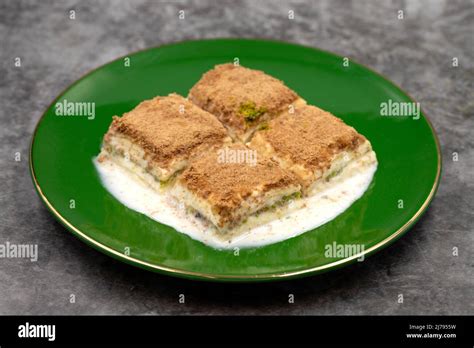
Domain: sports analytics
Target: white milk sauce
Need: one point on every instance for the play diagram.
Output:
(295, 218)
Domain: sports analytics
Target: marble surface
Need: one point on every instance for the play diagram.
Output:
(415, 53)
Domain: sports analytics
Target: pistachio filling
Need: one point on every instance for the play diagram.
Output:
(334, 174)
(250, 112)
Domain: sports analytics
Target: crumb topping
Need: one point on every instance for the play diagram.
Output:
(241, 97)
(310, 137)
(226, 185)
(170, 127)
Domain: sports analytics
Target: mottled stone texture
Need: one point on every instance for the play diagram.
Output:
(415, 52)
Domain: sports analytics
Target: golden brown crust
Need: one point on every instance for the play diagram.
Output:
(168, 128)
(230, 92)
(309, 137)
(226, 185)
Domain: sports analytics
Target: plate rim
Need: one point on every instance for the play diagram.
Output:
(230, 277)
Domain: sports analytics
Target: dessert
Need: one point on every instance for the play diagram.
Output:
(312, 143)
(243, 99)
(158, 137)
(227, 192)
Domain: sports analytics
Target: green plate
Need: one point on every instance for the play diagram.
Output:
(65, 178)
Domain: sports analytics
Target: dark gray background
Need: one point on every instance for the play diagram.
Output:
(415, 53)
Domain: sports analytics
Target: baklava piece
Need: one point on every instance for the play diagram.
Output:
(157, 138)
(225, 189)
(243, 99)
(311, 143)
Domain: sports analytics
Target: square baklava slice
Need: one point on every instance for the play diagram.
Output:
(312, 143)
(225, 188)
(158, 137)
(242, 99)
